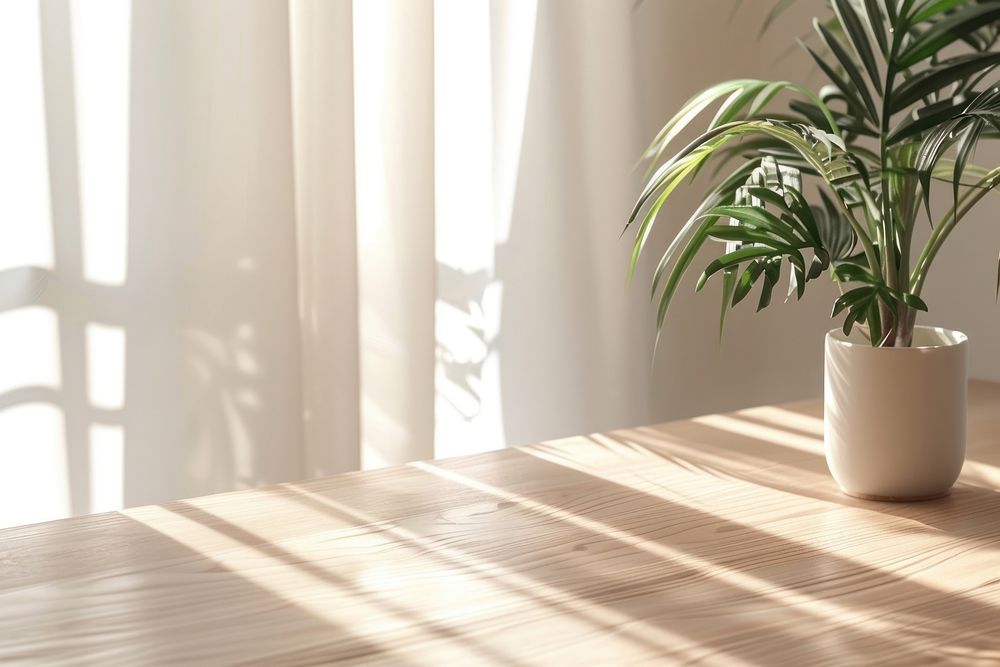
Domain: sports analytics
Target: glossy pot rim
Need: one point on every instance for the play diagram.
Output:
(949, 339)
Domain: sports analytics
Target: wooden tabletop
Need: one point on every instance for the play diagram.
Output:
(720, 539)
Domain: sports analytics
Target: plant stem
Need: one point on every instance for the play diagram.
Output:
(890, 321)
(866, 243)
(944, 227)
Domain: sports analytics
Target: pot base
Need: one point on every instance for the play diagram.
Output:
(895, 499)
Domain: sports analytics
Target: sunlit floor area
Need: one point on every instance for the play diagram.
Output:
(499, 332)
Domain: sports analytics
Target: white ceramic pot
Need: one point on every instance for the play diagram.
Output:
(895, 416)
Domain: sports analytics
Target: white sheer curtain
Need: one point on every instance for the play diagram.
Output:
(489, 158)
(247, 242)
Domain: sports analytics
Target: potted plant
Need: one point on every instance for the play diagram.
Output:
(837, 183)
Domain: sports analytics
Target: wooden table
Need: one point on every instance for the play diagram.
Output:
(719, 539)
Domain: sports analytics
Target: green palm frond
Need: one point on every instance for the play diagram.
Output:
(894, 116)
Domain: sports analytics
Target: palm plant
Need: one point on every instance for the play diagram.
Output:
(910, 97)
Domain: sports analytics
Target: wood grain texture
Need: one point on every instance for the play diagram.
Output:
(719, 540)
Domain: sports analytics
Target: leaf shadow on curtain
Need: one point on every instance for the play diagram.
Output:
(212, 252)
(465, 292)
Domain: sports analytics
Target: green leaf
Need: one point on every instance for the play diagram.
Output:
(728, 285)
(931, 9)
(850, 94)
(952, 27)
(735, 103)
(804, 213)
(821, 152)
(772, 273)
(687, 113)
(747, 281)
(972, 175)
(796, 216)
(889, 8)
(796, 279)
(745, 236)
(905, 6)
(731, 259)
(851, 298)
(858, 40)
(680, 268)
(911, 300)
(860, 88)
(820, 261)
(831, 164)
(861, 303)
(767, 94)
(851, 318)
(873, 15)
(874, 322)
(835, 232)
(647, 223)
(984, 38)
(848, 123)
(846, 271)
(925, 118)
(724, 190)
(937, 77)
(932, 147)
(705, 144)
(966, 146)
(757, 217)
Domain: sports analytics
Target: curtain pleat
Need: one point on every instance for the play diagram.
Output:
(394, 177)
(322, 69)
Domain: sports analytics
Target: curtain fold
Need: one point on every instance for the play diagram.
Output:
(323, 104)
(394, 175)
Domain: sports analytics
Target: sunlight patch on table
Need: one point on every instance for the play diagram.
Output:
(783, 418)
(841, 614)
(333, 604)
(501, 581)
(770, 434)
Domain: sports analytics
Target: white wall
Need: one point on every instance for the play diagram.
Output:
(774, 355)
